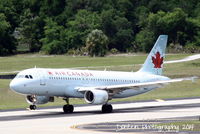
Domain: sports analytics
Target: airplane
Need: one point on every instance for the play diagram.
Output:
(41, 85)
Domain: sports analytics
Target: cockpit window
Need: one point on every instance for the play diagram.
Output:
(30, 76)
(25, 76)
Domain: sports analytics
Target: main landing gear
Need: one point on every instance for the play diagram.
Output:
(107, 108)
(33, 107)
(68, 108)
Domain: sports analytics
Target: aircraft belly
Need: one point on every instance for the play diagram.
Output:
(49, 89)
(70, 91)
(132, 92)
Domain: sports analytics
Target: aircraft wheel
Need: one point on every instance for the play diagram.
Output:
(33, 107)
(107, 108)
(68, 108)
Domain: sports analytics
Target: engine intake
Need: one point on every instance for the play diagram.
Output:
(34, 100)
(96, 96)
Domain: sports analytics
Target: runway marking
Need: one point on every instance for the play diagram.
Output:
(27, 108)
(75, 127)
(159, 100)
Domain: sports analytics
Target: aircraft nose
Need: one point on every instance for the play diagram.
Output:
(14, 85)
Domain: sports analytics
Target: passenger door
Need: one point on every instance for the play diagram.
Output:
(42, 77)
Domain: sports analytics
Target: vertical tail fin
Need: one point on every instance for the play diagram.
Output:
(154, 61)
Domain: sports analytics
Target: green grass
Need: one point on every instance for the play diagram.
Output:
(184, 69)
(24, 61)
(10, 100)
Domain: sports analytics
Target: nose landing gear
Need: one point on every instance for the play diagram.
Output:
(33, 107)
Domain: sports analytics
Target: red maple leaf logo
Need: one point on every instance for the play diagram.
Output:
(50, 73)
(157, 60)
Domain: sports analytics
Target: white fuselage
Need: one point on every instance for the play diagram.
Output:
(65, 82)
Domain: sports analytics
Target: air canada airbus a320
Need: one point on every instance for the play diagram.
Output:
(41, 85)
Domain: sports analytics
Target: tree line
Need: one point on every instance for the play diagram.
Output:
(60, 26)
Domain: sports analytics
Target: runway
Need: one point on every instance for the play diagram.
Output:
(53, 121)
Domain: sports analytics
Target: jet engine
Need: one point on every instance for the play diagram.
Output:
(34, 100)
(96, 96)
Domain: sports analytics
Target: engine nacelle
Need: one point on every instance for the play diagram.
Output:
(34, 100)
(96, 96)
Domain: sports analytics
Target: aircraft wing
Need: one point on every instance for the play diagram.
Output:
(133, 86)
